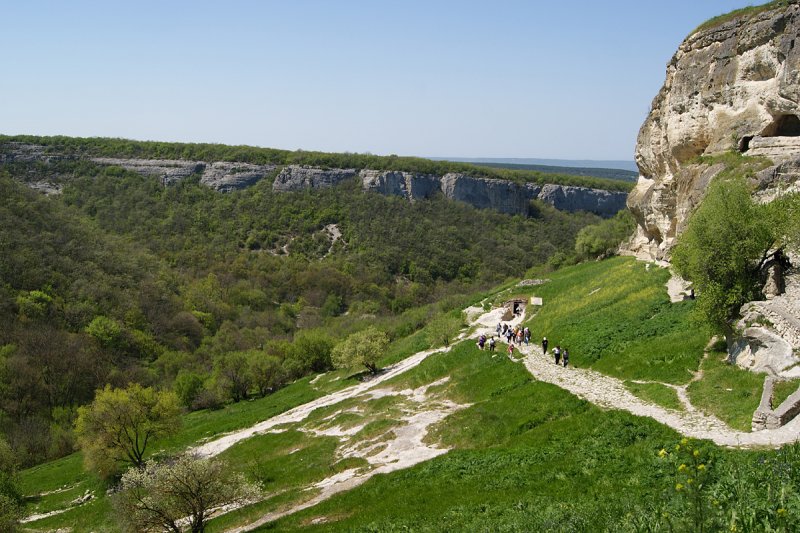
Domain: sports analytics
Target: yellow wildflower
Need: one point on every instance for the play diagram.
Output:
(662, 453)
(696, 453)
(678, 487)
(684, 441)
(682, 468)
(781, 511)
(701, 466)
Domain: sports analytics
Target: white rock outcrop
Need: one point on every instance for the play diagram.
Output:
(733, 86)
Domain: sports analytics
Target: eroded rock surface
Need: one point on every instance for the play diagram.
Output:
(169, 171)
(485, 193)
(298, 178)
(734, 86)
(225, 177)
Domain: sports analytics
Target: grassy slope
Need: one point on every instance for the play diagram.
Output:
(615, 317)
(526, 453)
(656, 393)
(526, 456)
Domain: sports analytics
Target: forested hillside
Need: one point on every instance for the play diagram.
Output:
(120, 279)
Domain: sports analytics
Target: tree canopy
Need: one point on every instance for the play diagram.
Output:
(117, 428)
(164, 496)
(722, 250)
(365, 347)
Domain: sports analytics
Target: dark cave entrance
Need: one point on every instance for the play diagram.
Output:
(783, 126)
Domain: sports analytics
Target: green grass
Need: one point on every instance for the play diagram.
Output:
(615, 317)
(656, 393)
(745, 12)
(96, 515)
(782, 390)
(527, 456)
(727, 391)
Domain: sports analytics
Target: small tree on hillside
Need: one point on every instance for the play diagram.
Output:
(120, 424)
(171, 495)
(365, 347)
(442, 329)
(722, 250)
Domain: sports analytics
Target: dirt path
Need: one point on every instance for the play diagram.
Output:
(301, 412)
(611, 393)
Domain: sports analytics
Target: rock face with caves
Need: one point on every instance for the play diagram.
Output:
(732, 86)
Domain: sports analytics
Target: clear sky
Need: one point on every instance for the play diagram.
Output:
(568, 79)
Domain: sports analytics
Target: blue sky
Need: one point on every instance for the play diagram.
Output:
(569, 79)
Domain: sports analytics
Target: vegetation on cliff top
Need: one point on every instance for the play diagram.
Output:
(743, 13)
(124, 148)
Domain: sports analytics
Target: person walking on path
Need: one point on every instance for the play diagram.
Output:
(565, 357)
(492, 344)
(481, 341)
(526, 335)
(557, 354)
(511, 350)
(544, 345)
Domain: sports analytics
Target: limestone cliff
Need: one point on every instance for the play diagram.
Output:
(730, 86)
(484, 193)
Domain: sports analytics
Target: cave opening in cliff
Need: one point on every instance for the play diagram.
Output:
(744, 143)
(783, 126)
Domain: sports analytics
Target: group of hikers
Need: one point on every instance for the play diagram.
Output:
(520, 335)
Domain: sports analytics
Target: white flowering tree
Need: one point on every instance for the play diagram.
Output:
(180, 494)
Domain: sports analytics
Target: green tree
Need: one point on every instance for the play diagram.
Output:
(442, 329)
(266, 372)
(188, 386)
(163, 496)
(34, 304)
(10, 495)
(120, 424)
(365, 347)
(722, 250)
(313, 348)
(232, 373)
(108, 332)
(604, 237)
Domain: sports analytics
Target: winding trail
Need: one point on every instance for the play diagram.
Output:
(611, 393)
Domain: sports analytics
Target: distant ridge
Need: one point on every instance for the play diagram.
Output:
(618, 170)
(569, 163)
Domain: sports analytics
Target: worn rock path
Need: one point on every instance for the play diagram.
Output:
(611, 393)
